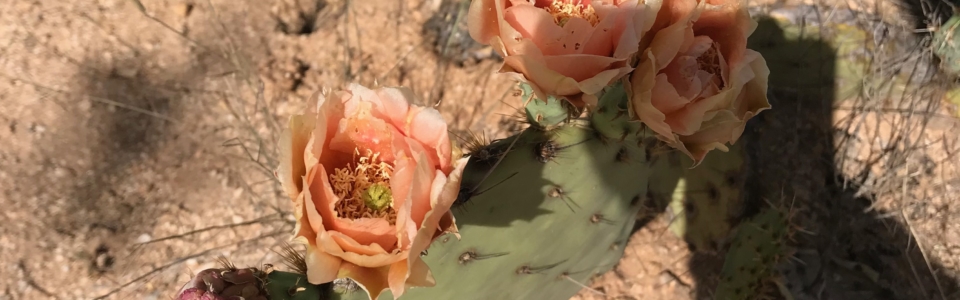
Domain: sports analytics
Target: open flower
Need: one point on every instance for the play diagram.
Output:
(697, 84)
(372, 178)
(564, 48)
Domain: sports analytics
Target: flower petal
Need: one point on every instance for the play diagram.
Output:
(643, 80)
(442, 195)
(315, 198)
(396, 279)
(483, 19)
(536, 25)
(329, 113)
(401, 184)
(422, 180)
(345, 247)
(394, 105)
(441, 202)
(369, 231)
(323, 267)
(429, 128)
(293, 143)
(537, 73)
(360, 130)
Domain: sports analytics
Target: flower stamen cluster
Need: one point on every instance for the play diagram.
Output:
(562, 11)
(364, 189)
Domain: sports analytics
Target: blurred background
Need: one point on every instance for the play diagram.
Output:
(139, 139)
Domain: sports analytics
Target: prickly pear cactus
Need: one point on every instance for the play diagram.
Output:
(706, 201)
(555, 211)
(946, 46)
(758, 246)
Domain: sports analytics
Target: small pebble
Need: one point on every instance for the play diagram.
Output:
(143, 238)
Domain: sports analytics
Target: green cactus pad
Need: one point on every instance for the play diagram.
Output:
(611, 117)
(545, 113)
(757, 247)
(535, 229)
(706, 201)
(291, 286)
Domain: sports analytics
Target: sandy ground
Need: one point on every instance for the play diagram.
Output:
(135, 152)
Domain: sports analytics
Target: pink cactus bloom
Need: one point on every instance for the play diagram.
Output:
(565, 48)
(372, 178)
(697, 84)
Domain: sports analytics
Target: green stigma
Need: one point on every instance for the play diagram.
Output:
(377, 197)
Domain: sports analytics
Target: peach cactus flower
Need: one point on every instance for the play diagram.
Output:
(565, 48)
(372, 178)
(697, 84)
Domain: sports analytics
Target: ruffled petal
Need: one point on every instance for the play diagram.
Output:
(394, 105)
(323, 267)
(344, 247)
(441, 201)
(293, 143)
(401, 184)
(536, 25)
(422, 180)
(428, 127)
(396, 279)
(483, 19)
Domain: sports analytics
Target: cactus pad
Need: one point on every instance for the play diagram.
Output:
(758, 246)
(706, 201)
(510, 247)
(545, 113)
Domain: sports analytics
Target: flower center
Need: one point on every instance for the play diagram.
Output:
(364, 189)
(563, 10)
(709, 62)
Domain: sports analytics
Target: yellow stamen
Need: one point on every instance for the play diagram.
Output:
(563, 10)
(364, 189)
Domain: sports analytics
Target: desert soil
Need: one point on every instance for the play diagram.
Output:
(138, 146)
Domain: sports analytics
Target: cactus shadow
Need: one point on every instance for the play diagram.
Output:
(115, 121)
(485, 185)
(850, 253)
